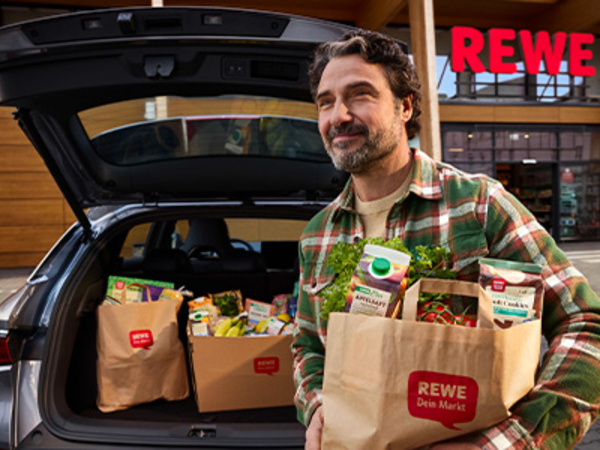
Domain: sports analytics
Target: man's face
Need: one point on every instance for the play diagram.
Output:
(359, 117)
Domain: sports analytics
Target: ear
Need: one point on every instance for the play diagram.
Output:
(407, 109)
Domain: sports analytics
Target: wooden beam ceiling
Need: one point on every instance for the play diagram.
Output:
(572, 15)
(375, 14)
(550, 2)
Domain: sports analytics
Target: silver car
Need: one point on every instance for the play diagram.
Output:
(185, 141)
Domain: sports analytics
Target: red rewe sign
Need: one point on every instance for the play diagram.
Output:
(141, 339)
(268, 365)
(443, 398)
(468, 43)
(498, 285)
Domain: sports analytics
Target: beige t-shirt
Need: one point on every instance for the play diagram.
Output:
(374, 214)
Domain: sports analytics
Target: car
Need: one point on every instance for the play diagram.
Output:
(185, 141)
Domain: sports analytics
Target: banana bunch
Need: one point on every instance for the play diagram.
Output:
(232, 327)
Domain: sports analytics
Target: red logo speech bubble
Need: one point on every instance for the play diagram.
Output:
(141, 339)
(441, 397)
(269, 365)
(498, 285)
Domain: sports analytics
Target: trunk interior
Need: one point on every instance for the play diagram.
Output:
(70, 377)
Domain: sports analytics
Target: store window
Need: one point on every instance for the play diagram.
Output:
(553, 170)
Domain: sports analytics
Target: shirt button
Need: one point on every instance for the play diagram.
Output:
(356, 239)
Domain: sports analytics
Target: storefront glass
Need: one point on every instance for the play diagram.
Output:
(553, 170)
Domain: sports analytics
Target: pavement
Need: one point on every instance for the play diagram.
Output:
(585, 256)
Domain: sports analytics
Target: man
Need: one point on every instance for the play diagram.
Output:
(368, 100)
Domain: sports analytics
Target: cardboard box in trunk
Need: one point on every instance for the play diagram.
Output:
(242, 372)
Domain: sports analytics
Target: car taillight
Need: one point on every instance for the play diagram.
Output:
(5, 357)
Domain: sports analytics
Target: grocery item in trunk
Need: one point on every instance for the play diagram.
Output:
(140, 355)
(228, 302)
(132, 289)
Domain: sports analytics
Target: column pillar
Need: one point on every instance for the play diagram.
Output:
(422, 33)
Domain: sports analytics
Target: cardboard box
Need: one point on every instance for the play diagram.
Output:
(232, 373)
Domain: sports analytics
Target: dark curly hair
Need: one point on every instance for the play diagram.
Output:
(374, 48)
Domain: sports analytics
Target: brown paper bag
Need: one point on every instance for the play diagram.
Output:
(402, 384)
(140, 355)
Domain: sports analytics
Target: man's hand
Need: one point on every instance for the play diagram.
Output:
(314, 431)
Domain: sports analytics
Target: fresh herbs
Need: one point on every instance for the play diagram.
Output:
(426, 262)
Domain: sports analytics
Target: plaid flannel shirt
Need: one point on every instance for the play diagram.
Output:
(472, 216)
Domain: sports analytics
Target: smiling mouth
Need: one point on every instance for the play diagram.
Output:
(346, 137)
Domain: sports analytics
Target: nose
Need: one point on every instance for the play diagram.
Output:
(340, 114)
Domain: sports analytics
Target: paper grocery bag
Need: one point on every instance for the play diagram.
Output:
(140, 355)
(402, 384)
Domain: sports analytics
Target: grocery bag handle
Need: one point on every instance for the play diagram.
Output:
(485, 309)
(144, 287)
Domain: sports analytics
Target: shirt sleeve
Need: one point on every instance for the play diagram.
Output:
(566, 397)
(308, 353)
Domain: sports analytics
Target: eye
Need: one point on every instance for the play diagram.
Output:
(323, 103)
(362, 93)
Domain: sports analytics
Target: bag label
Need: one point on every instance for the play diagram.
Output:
(513, 302)
(141, 339)
(370, 301)
(498, 285)
(442, 397)
(268, 365)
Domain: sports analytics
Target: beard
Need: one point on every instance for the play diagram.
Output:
(374, 148)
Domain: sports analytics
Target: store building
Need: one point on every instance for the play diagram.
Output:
(539, 133)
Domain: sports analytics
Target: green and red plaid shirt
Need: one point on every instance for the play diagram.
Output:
(472, 216)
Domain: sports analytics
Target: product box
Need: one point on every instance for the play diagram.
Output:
(233, 373)
(132, 288)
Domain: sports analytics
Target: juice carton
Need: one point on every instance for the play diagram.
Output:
(376, 281)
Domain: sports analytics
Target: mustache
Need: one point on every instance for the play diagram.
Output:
(347, 129)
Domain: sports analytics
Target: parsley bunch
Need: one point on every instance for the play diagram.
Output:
(426, 262)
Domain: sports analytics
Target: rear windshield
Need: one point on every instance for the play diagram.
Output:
(162, 128)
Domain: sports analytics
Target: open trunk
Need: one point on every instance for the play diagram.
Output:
(68, 377)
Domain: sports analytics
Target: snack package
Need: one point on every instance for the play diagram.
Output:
(118, 288)
(228, 302)
(281, 303)
(376, 281)
(516, 289)
(171, 294)
(276, 327)
(258, 311)
(204, 304)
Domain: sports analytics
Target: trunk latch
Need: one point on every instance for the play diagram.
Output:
(202, 431)
(159, 66)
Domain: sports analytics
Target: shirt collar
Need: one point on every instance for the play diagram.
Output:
(425, 183)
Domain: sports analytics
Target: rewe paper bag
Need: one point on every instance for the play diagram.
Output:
(402, 384)
(140, 355)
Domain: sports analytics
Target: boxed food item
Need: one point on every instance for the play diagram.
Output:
(376, 281)
(132, 289)
(232, 373)
(258, 311)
